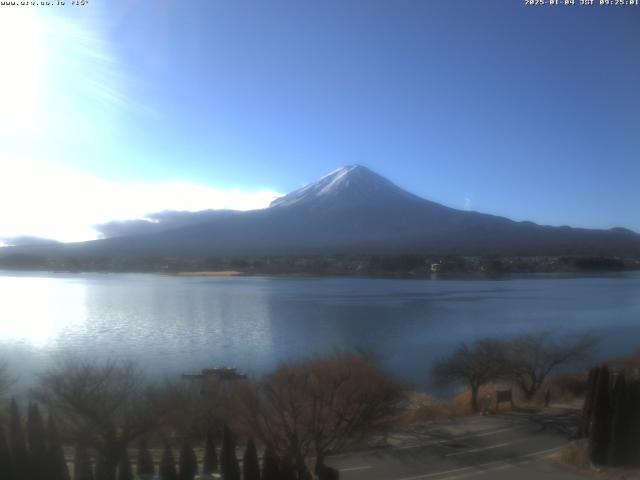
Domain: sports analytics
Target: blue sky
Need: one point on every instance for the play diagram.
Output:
(527, 112)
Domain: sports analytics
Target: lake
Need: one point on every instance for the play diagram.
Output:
(171, 324)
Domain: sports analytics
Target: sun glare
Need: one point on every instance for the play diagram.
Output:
(47, 204)
(59, 305)
(23, 56)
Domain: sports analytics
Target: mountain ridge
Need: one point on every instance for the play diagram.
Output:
(350, 210)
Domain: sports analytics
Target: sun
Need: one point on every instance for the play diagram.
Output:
(22, 57)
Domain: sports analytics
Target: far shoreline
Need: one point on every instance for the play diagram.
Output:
(220, 273)
(444, 276)
(473, 276)
(485, 269)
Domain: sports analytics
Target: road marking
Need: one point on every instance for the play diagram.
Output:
(477, 449)
(433, 443)
(490, 447)
(496, 465)
(457, 439)
(352, 469)
(486, 470)
(506, 466)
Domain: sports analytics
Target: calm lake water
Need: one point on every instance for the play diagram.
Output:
(175, 324)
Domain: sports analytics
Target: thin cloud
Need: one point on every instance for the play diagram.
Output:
(45, 200)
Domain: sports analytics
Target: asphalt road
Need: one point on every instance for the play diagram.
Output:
(503, 446)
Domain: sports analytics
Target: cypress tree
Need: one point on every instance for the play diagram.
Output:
(600, 431)
(145, 466)
(287, 471)
(328, 473)
(125, 472)
(37, 443)
(306, 474)
(56, 463)
(188, 462)
(618, 421)
(625, 438)
(270, 465)
(210, 462)
(5, 457)
(634, 422)
(228, 459)
(17, 445)
(102, 468)
(168, 465)
(82, 469)
(250, 465)
(587, 408)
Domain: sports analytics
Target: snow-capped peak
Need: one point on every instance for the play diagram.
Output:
(352, 178)
(333, 180)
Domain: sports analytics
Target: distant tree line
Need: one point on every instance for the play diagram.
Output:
(383, 264)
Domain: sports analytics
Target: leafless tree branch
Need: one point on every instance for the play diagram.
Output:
(320, 406)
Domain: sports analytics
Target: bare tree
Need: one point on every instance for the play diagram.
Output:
(103, 406)
(320, 406)
(5, 386)
(531, 358)
(473, 365)
(191, 413)
(5, 380)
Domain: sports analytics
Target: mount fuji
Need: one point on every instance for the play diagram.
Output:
(350, 210)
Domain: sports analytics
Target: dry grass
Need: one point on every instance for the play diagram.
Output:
(425, 408)
(428, 409)
(568, 389)
(630, 361)
(574, 456)
(619, 474)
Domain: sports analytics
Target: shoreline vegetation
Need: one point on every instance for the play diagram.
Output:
(110, 413)
(387, 265)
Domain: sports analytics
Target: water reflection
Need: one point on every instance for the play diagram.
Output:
(172, 324)
(38, 311)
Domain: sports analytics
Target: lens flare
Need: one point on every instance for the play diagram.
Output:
(23, 57)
